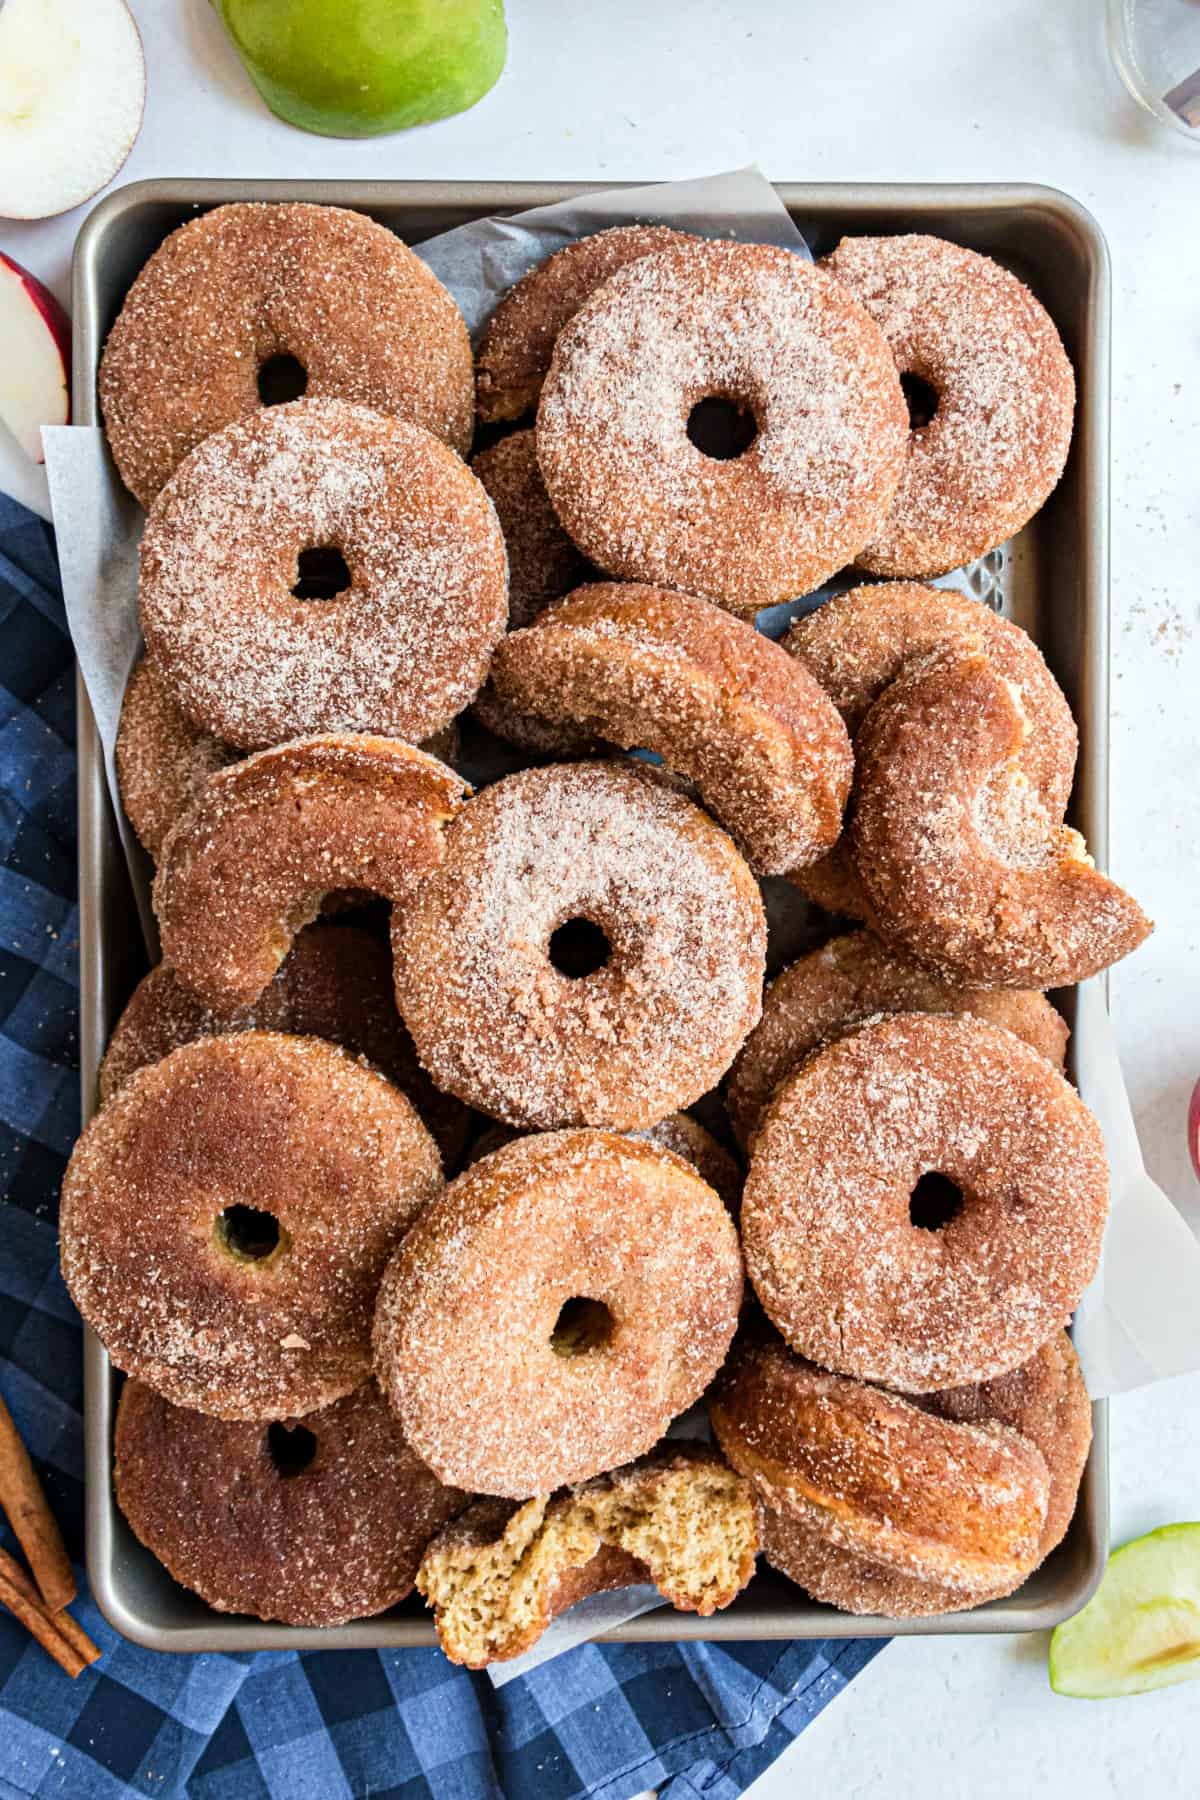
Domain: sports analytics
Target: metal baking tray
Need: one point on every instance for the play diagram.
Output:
(1056, 584)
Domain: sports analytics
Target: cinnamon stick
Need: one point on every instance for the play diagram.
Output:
(29, 1514)
(58, 1633)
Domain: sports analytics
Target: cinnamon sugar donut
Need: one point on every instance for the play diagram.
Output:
(988, 356)
(960, 1507)
(675, 981)
(400, 650)
(543, 565)
(162, 758)
(640, 667)
(851, 979)
(678, 1132)
(334, 983)
(961, 861)
(554, 1310)
(227, 1217)
(859, 642)
(247, 284)
(756, 326)
(248, 866)
(831, 1201)
(519, 338)
(311, 1522)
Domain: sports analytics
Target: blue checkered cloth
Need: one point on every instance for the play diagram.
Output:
(693, 1720)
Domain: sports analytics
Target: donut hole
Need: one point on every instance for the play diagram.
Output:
(922, 398)
(291, 1448)
(721, 428)
(582, 1325)
(249, 1235)
(280, 379)
(322, 573)
(579, 948)
(934, 1201)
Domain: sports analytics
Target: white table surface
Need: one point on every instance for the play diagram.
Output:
(932, 90)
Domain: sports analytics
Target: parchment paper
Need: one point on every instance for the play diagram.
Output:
(1140, 1321)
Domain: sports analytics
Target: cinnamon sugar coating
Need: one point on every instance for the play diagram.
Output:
(859, 642)
(269, 837)
(649, 1030)
(335, 983)
(399, 651)
(963, 864)
(959, 1506)
(244, 283)
(678, 1132)
(831, 1249)
(641, 667)
(341, 1539)
(679, 1517)
(470, 1304)
(847, 981)
(285, 1126)
(519, 338)
(754, 325)
(998, 441)
(162, 758)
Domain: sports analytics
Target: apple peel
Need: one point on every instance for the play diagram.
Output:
(35, 358)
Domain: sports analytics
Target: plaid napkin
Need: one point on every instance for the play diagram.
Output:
(691, 1720)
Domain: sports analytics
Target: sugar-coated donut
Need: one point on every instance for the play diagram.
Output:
(555, 1309)
(754, 325)
(227, 1217)
(543, 565)
(960, 1506)
(962, 863)
(244, 284)
(398, 651)
(680, 1518)
(859, 642)
(641, 667)
(237, 1515)
(268, 837)
(851, 979)
(681, 934)
(827, 1221)
(334, 983)
(1003, 388)
(162, 758)
(519, 338)
(678, 1132)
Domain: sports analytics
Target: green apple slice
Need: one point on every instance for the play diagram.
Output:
(1141, 1628)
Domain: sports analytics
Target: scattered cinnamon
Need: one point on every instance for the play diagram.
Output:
(57, 1632)
(29, 1514)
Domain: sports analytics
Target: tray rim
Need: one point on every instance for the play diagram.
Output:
(743, 1621)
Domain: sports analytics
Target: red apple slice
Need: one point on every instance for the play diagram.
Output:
(35, 357)
(72, 91)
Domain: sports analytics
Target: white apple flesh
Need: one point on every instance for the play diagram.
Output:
(72, 92)
(35, 357)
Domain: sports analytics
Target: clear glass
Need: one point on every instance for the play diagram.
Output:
(1155, 46)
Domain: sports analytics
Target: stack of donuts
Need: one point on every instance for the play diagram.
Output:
(394, 1214)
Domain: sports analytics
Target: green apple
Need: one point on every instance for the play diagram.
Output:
(1141, 1628)
(353, 68)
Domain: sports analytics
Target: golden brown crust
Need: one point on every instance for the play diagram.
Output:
(335, 983)
(830, 1247)
(399, 651)
(678, 1132)
(644, 668)
(851, 979)
(519, 339)
(756, 325)
(339, 1540)
(680, 1518)
(958, 1505)
(470, 1302)
(996, 446)
(248, 866)
(646, 1033)
(288, 1126)
(244, 283)
(162, 758)
(962, 863)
